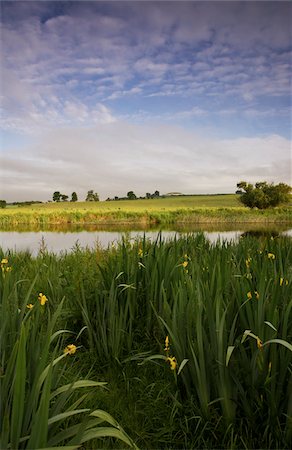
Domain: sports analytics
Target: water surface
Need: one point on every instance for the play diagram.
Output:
(61, 239)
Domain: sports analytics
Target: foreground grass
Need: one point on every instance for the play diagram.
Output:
(174, 210)
(222, 379)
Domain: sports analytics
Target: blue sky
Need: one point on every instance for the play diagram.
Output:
(116, 96)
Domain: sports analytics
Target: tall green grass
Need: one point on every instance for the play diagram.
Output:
(36, 406)
(226, 309)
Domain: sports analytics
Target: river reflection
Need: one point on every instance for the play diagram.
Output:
(61, 239)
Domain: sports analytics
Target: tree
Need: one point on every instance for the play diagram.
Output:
(148, 195)
(263, 195)
(64, 197)
(156, 194)
(131, 195)
(56, 196)
(92, 196)
(74, 197)
(2, 203)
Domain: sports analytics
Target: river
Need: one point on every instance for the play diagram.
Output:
(60, 239)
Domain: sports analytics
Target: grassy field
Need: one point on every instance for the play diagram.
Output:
(191, 338)
(172, 210)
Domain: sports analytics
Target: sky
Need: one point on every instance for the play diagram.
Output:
(114, 96)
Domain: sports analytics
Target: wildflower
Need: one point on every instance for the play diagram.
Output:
(42, 299)
(166, 349)
(140, 252)
(259, 343)
(172, 362)
(70, 349)
(249, 295)
(29, 306)
(247, 262)
(4, 267)
(282, 280)
(185, 263)
(271, 256)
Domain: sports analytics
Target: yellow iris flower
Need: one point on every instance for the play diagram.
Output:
(172, 362)
(42, 299)
(166, 344)
(70, 349)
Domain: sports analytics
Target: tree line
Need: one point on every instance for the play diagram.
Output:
(262, 195)
(132, 196)
(94, 197)
(90, 197)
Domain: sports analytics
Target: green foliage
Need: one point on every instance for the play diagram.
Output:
(173, 210)
(74, 197)
(226, 308)
(3, 204)
(263, 195)
(37, 409)
(57, 196)
(92, 196)
(131, 195)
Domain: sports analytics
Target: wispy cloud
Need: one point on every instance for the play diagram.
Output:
(128, 69)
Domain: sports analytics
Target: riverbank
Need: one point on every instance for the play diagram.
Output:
(162, 211)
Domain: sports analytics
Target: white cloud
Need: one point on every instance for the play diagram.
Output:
(113, 158)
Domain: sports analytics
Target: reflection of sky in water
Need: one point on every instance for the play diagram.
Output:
(57, 242)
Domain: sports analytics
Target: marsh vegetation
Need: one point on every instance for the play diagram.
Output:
(192, 339)
(172, 210)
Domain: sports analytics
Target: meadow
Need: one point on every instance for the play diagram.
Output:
(167, 210)
(181, 344)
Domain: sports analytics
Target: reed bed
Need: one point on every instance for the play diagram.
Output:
(13, 217)
(180, 210)
(193, 338)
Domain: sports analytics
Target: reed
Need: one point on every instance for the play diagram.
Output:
(226, 309)
(36, 407)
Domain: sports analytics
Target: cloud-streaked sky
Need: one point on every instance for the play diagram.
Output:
(116, 96)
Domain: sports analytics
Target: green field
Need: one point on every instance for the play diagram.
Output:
(169, 210)
(192, 339)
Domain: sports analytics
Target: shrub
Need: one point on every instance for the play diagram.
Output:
(263, 195)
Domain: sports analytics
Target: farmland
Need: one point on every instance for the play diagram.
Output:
(168, 210)
(185, 344)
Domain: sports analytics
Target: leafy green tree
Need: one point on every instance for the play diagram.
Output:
(74, 197)
(92, 196)
(56, 196)
(148, 195)
(263, 195)
(64, 197)
(2, 203)
(131, 195)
